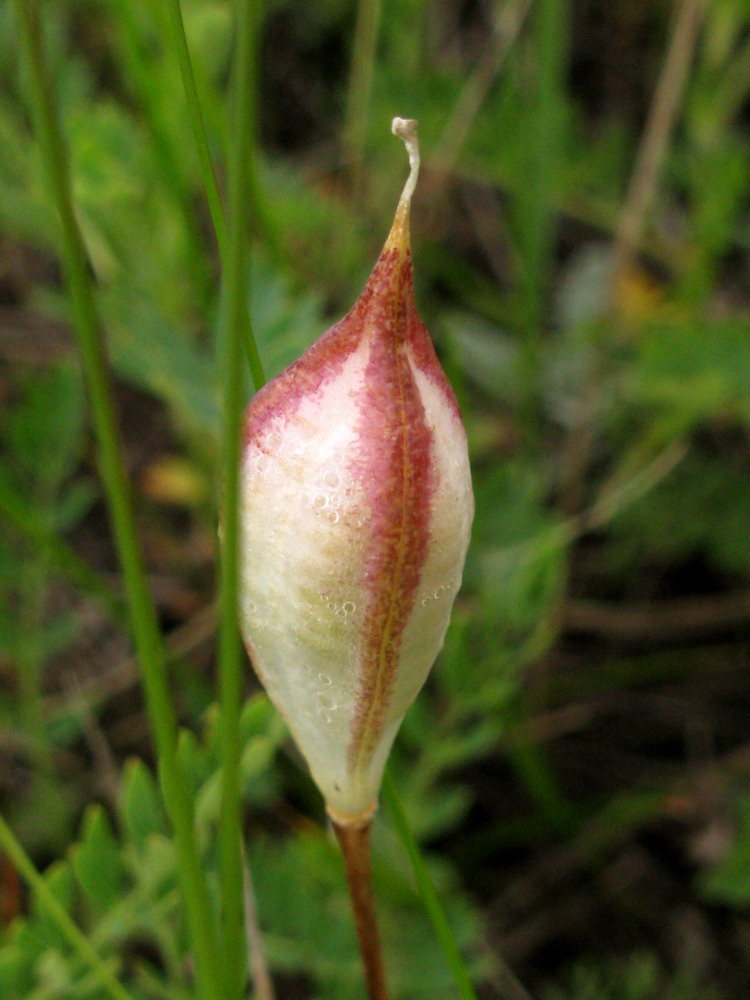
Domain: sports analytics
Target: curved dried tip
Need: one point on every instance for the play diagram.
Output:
(406, 129)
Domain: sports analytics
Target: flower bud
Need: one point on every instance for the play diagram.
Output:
(356, 509)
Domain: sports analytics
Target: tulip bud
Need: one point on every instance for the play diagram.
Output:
(356, 509)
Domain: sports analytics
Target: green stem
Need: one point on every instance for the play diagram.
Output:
(209, 174)
(233, 324)
(198, 124)
(78, 941)
(360, 85)
(143, 618)
(513, 990)
(143, 71)
(537, 207)
(33, 580)
(263, 225)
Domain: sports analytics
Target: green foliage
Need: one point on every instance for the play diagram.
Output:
(512, 254)
(641, 978)
(41, 443)
(696, 372)
(671, 521)
(97, 863)
(312, 933)
(728, 878)
(119, 880)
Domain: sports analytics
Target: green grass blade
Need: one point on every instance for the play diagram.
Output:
(179, 41)
(208, 174)
(513, 990)
(143, 618)
(360, 86)
(76, 939)
(537, 202)
(427, 891)
(141, 66)
(232, 332)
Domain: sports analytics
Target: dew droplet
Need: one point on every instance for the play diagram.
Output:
(320, 501)
(333, 516)
(324, 678)
(348, 607)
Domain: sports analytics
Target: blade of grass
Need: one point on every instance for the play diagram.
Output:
(360, 86)
(508, 21)
(513, 989)
(210, 183)
(261, 218)
(143, 71)
(234, 325)
(536, 207)
(427, 891)
(33, 579)
(76, 939)
(143, 618)
(179, 41)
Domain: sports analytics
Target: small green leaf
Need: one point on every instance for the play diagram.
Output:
(15, 971)
(193, 760)
(41, 932)
(256, 716)
(96, 860)
(140, 805)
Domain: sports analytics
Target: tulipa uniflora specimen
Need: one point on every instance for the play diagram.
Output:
(356, 510)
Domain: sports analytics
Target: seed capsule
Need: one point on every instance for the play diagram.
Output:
(356, 510)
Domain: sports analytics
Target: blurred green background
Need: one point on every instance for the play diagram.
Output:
(578, 766)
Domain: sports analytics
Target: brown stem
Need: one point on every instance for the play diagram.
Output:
(354, 837)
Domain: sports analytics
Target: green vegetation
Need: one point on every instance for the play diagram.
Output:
(576, 769)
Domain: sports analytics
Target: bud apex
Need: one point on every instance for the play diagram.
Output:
(356, 511)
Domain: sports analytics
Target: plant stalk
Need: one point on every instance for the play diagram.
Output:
(234, 325)
(354, 837)
(143, 617)
(210, 183)
(360, 87)
(429, 895)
